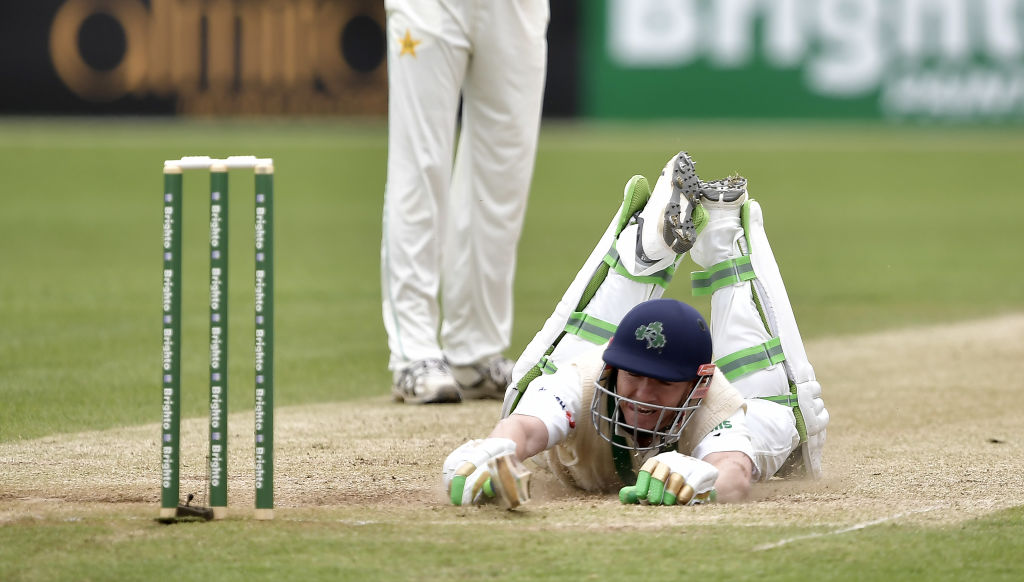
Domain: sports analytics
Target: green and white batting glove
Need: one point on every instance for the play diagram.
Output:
(482, 470)
(672, 479)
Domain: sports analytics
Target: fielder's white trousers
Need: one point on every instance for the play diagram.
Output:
(450, 235)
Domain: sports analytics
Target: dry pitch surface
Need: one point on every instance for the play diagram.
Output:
(926, 426)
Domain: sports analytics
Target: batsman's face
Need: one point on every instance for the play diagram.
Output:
(650, 391)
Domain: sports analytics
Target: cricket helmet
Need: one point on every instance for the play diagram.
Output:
(663, 339)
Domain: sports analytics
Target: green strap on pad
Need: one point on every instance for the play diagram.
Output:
(744, 362)
(589, 328)
(662, 278)
(785, 400)
(728, 272)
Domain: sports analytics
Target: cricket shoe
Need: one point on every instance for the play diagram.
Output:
(428, 381)
(682, 218)
(721, 237)
(723, 197)
(669, 223)
(487, 378)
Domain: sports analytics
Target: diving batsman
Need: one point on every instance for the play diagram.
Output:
(623, 391)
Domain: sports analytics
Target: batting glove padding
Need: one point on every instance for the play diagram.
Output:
(672, 479)
(466, 475)
(510, 481)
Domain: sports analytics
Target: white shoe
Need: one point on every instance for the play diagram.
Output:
(721, 237)
(666, 224)
(680, 232)
(425, 382)
(487, 378)
(723, 197)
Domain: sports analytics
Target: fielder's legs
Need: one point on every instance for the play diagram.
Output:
(426, 64)
(501, 108)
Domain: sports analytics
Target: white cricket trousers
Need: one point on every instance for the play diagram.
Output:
(450, 235)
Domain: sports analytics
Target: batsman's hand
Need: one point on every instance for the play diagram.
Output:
(485, 469)
(672, 479)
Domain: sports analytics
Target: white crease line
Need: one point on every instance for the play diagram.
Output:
(855, 527)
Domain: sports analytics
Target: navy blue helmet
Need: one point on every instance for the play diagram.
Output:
(661, 338)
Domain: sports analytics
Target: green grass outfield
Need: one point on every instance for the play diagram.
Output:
(875, 227)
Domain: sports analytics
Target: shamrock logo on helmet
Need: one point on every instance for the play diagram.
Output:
(652, 333)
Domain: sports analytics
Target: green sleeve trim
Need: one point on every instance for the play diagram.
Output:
(590, 328)
(662, 278)
(744, 362)
(724, 274)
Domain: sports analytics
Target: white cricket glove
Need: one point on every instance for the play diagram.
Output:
(483, 469)
(816, 418)
(672, 479)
